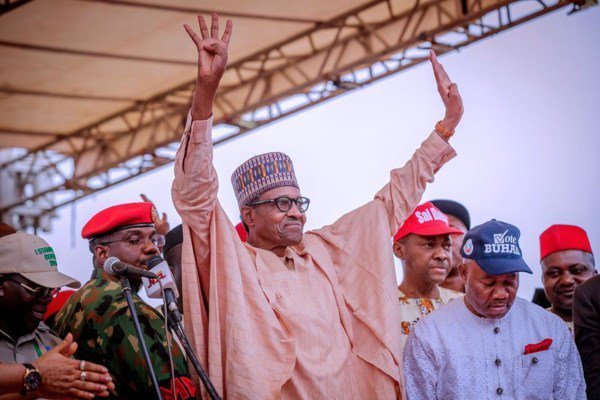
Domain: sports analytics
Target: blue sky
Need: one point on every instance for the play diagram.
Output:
(527, 146)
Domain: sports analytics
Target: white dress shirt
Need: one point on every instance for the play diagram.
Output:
(454, 354)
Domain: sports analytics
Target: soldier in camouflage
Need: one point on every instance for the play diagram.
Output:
(98, 316)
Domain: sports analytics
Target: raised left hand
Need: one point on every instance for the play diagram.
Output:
(449, 93)
(161, 224)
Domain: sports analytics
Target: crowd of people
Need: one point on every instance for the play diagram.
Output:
(274, 312)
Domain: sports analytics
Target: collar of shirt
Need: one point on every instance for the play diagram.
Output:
(445, 295)
(110, 285)
(101, 275)
(27, 337)
(469, 318)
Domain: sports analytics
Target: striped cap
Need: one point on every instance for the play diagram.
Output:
(260, 174)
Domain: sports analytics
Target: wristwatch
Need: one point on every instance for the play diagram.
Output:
(31, 380)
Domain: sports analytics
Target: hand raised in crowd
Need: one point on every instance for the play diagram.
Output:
(161, 224)
(449, 93)
(212, 60)
(63, 377)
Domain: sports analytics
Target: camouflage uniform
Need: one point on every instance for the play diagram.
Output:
(99, 319)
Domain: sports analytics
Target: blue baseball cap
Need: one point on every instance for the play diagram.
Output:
(494, 246)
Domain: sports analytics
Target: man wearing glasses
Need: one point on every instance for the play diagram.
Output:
(98, 317)
(290, 314)
(35, 361)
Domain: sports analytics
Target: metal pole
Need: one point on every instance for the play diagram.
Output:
(138, 330)
(175, 324)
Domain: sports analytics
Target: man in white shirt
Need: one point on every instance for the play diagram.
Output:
(492, 344)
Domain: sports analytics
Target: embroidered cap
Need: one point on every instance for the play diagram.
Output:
(426, 220)
(116, 218)
(563, 237)
(494, 245)
(260, 174)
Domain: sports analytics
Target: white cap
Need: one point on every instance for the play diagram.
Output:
(32, 257)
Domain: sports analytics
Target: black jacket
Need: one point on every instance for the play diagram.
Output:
(586, 317)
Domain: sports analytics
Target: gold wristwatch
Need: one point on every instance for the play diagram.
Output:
(31, 379)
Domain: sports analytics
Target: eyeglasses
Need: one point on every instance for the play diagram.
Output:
(284, 203)
(157, 240)
(39, 292)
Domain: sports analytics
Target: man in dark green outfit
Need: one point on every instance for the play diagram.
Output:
(99, 319)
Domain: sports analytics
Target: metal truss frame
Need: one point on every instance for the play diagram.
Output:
(145, 136)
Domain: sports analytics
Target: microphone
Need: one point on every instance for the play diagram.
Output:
(162, 271)
(114, 266)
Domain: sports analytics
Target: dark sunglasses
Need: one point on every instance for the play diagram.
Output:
(39, 292)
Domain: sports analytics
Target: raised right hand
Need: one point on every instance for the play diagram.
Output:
(61, 376)
(212, 60)
(449, 94)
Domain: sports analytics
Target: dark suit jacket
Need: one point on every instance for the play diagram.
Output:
(586, 316)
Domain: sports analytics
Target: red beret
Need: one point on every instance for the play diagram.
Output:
(426, 220)
(563, 237)
(119, 217)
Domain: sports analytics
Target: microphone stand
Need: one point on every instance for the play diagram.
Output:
(136, 323)
(174, 319)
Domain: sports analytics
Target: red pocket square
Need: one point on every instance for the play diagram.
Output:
(536, 347)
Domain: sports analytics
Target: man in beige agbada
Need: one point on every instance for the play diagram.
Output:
(292, 315)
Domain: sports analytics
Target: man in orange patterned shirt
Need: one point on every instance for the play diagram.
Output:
(424, 245)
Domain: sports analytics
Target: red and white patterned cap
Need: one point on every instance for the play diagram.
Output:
(426, 220)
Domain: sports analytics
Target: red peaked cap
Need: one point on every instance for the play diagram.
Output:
(58, 302)
(563, 237)
(426, 220)
(119, 217)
